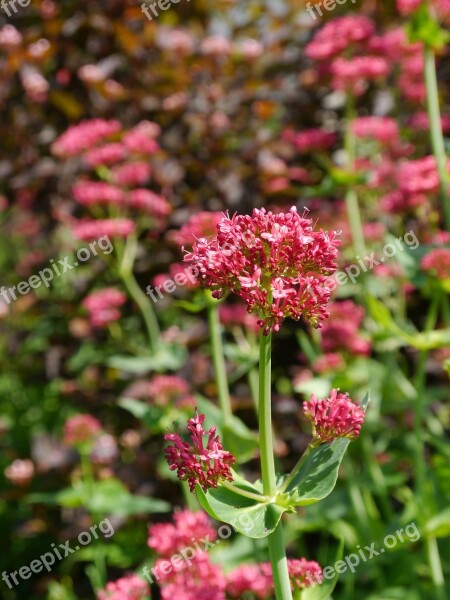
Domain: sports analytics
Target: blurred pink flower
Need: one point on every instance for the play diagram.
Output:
(20, 472)
(169, 538)
(88, 230)
(81, 429)
(129, 587)
(84, 136)
(102, 306)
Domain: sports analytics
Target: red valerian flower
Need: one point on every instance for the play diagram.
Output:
(437, 262)
(304, 573)
(334, 417)
(276, 263)
(196, 462)
(129, 587)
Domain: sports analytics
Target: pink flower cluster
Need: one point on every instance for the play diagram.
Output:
(354, 74)
(167, 538)
(93, 193)
(103, 305)
(384, 129)
(196, 462)
(91, 229)
(198, 579)
(338, 35)
(277, 263)
(340, 331)
(170, 390)
(437, 262)
(200, 225)
(81, 429)
(334, 417)
(20, 471)
(232, 315)
(129, 587)
(84, 136)
(304, 573)
(313, 140)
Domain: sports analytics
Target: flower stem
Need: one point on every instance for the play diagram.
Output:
(215, 332)
(277, 551)
(431, 546)
(133, 288)
(351, 199)
(437, 139)
(241, 492)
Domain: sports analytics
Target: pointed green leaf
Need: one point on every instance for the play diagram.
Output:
(249, 517)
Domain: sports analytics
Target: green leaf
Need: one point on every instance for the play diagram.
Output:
(167, 358)
(439, 525)
(112, 497)
(318, 475)
(249, 517)
(324, 591)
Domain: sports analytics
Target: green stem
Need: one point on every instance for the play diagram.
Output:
(236, 490)
(215, 332)
(437, 138)
(275, 540)
(431, 546)
(351, 199)
(127, 258)
(436, 568)
(190, 498)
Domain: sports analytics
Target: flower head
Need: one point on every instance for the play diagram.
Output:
(80, 429)
(334, 417)
(276, 263)
(437, 262)
(196, 462)
(167, 539)
(304, 573)
(130, 587)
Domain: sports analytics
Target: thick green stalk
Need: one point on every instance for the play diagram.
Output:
(215, 332)
(434, 561)
(277, 551)
(437, 139)
(351, 199)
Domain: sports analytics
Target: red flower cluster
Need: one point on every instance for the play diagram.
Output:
(334, 417)
(90, 229)
(304, 573)
(130, 587)
(195, 462)
(340, 331)
(276, 263)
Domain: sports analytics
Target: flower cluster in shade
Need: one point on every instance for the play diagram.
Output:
(341, 331)
(81, 429)
(201, 461)
(123, 159)
(408, 7)
(277, 263)
(334, 417)
(103, 305)
(162, 390)
(129, 587)
(204, 580)
(437, 262)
